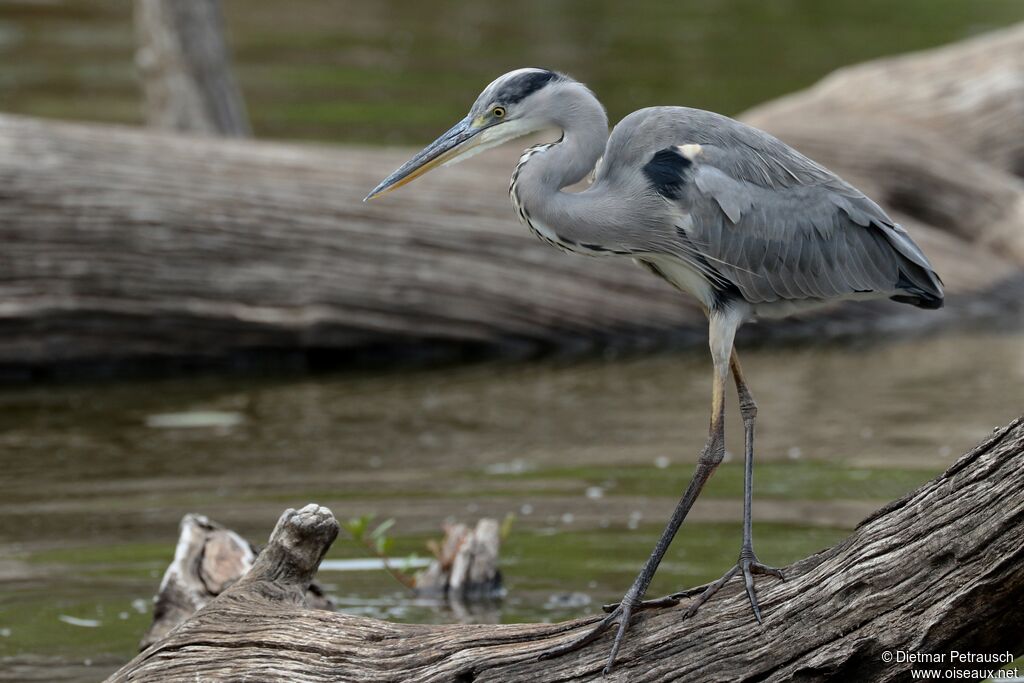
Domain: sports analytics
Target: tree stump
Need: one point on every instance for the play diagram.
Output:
(938, 570)
(465, 565)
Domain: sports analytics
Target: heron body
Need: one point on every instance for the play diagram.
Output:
(723, 211)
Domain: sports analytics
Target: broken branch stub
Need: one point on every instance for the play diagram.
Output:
(208, 559)
(465, 566)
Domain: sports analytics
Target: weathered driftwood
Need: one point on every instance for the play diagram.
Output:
(120, 243)
(207, 560)
(185, 69)
(940, 569)
(465, 565)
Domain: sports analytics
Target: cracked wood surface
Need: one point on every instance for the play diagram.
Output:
(940, 569)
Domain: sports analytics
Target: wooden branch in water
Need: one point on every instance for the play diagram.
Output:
(940, 569)
(465, 565)
(122, 244)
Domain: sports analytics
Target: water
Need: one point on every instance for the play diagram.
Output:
(589, 456)
(400, 71)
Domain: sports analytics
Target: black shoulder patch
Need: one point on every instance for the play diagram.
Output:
(665, 171)
(522, 86)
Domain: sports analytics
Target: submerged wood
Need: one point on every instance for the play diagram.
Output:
(207, 560)
(465, 565)
(940, 569)
(123, 244)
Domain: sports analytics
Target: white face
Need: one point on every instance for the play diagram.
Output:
(510, 107)
(498, 134)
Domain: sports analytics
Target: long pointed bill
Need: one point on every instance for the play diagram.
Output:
(459, 139)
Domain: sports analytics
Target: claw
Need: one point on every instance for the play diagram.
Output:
(749, 565)
(627, 612)
(748, 579)
(621, 612)
(590, 636)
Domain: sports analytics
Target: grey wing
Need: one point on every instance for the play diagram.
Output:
(777, 226)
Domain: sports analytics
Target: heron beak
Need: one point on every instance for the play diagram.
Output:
(461, 138)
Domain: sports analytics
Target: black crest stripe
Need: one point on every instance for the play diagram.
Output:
(522, 86)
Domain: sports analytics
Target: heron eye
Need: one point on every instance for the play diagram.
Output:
(498, 112)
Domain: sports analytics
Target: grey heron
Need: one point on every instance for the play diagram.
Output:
(723, 211)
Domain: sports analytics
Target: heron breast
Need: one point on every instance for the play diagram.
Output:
(680, 275)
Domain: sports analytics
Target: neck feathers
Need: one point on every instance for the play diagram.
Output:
(547, 169)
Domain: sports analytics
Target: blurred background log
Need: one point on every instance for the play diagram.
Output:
(122, 244)
(937, 136)
(939, 569)
(185, 69)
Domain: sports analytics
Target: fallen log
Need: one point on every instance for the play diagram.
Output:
(126, 244)
(938, 570)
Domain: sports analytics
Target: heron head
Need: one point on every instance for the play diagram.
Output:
(513, 105)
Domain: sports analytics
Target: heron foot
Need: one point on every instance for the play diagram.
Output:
(748, 565)
(620, 613)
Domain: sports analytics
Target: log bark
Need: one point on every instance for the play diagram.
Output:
(940, 569)
(121, 244)
(185, 68)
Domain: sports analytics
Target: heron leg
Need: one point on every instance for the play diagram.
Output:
(722, 331)
(748, 564)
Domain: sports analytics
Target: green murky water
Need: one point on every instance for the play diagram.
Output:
(340, 70)
(590, 457)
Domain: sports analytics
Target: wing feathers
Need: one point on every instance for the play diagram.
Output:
(795, 242)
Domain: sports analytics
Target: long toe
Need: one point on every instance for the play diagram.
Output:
(711, 589)
(751, 566)
(758, 568)
(582, 641)
(620, 613)
(657, 603)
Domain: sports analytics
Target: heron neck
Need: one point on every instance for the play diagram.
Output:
(544, 176)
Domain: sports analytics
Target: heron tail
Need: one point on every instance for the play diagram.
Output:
(918, 283)
(922, 289)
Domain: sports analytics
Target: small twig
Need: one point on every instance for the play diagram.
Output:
(398, 574)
